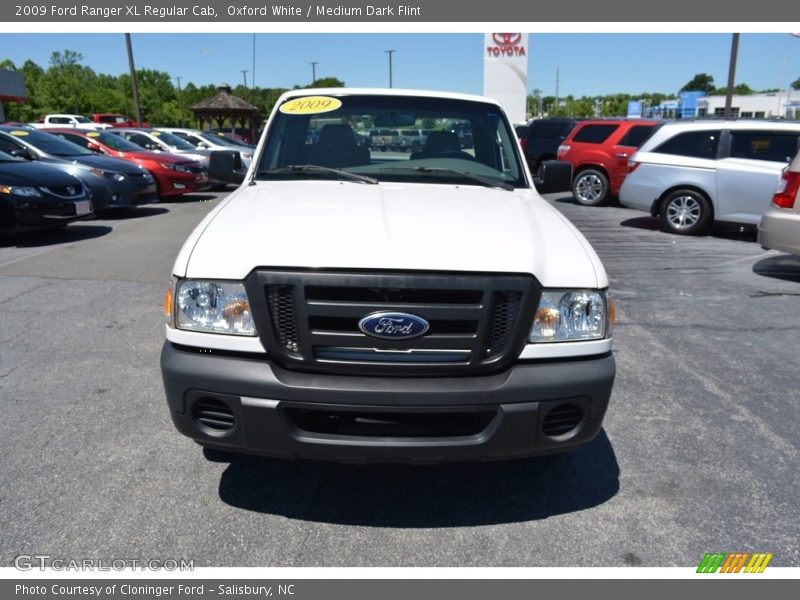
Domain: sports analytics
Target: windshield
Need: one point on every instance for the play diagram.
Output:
(218, 140)
(462, 141)
(52, 144)
(172, 140)
(7, 157)
(115, 142)
(83, 120)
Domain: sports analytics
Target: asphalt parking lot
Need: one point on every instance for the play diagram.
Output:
(699, 450)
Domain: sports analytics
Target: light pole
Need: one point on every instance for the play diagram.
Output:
(731, 75)
(133, 78)
(313, 72)
(180, 102)
(390, 52)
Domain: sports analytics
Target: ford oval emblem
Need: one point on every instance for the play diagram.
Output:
(393, 326)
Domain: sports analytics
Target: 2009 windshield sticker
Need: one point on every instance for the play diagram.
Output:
(310, 105)
(19, 132)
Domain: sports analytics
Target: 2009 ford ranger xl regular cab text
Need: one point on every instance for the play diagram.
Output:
(354, 304)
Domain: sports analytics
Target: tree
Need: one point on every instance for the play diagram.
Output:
(65, 76)
(700, 83)
(325, 82)
(740, 90)
(796, 84)
(534, 103)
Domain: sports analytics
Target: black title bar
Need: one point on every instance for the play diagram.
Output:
(413, 11)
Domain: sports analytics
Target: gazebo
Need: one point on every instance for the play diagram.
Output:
(226, 107)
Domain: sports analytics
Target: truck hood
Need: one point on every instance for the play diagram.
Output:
(426, 227)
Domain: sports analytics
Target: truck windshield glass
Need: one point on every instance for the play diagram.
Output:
(369, 134)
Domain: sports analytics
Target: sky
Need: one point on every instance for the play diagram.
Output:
(591, 64)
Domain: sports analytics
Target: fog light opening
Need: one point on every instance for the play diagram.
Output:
(213, 417)
(562, 420)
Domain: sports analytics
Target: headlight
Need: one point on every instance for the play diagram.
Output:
(97, 172)
(174, 167)
(213, 307)
(20, 191)
(568, 316)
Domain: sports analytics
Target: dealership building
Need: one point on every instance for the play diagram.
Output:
(784, 104)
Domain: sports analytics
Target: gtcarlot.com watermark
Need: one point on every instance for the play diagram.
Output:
(45, 562)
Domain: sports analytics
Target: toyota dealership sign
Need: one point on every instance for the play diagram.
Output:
(505, 71)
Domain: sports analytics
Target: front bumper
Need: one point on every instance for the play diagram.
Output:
(132, 193)
(170, 184)
(274, 412)
(780, 230)
(26, 214)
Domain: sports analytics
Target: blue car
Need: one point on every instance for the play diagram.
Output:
(38, 196)
(113, 182)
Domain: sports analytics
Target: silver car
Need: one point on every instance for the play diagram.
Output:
(780, 225)
(692, 174)
(162, 141)
(209, 140)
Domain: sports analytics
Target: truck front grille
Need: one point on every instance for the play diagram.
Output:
(309, 320)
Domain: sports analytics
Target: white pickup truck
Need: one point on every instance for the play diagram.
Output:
(348, 304)
(76, 121)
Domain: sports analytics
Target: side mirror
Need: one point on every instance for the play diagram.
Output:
(203, 145)
(226, 165)
(94, 148)
(23, 153)
(556, 176)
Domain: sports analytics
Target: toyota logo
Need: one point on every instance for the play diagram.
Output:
(507, 39)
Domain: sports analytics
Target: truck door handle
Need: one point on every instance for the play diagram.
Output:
(622, 155)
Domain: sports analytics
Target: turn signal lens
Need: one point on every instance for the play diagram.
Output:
(169, 302)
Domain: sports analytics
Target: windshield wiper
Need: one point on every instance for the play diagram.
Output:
(442, 171)
(298, 169)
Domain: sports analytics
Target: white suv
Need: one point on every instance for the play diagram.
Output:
(351, 304)
(691, 174)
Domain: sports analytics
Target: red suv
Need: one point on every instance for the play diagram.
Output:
(598, 151)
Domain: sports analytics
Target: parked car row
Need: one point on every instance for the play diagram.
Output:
(112, 182)
(174, 174)
(51, 177)
(412, 140)
(689, 174)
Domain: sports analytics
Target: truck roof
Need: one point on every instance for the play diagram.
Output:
(386, 92)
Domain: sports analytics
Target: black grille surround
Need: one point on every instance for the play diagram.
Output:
(308, 320)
